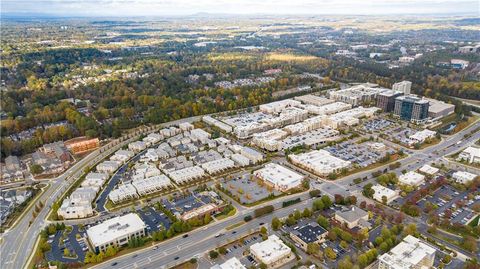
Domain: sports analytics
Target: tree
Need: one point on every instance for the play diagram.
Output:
(447, 259)
(306, 213)
(345, 263)
(222, 250)
(66, 252)
(207, 219)
(322, 221)
(111, 251)
(317, 205)
(327, 202)
(469, 243)
(312, 248)
(276, 223)
(36, 169)
(213, 254)
(263, 230)
(329, 253)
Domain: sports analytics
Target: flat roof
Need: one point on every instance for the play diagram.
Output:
(407, 254)
(111, 229)
(310, 232)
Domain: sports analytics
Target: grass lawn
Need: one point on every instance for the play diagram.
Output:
(233, 226)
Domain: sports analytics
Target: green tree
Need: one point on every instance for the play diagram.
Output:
(276, 224)
(329, 253)
(312, 248)
(213, 254)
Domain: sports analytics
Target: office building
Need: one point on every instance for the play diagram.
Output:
(82, 144)
(320, 162)
(315, 100)
(463, 177)
(411, 178)
(279, 177)
(428, 170)
(411, 108)
(381, 191)
(272, 252)
(217, 166)
(222, 126)
(438, 109)
(352, 217)
(404, 87)
(116, 232)
(459, 64)
(232, 263)
(386, 100)
(411, 253)
(470, 155)
(252, 154)
(308, 233)
(356, 95)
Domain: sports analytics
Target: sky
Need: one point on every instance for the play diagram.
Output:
(127, 8)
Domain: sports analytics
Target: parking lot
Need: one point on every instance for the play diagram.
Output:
(377, 125)
(76, 247)
(363, 154)
(247, 189)
(154, 219)
(185, 203)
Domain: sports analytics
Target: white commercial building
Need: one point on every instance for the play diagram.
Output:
(272, 252)
(270, 140)
(137, 146)
(312, 138)
(122, 155)
(350, 117)
(240, 160)
(463, 177)
(315, 100)
(222, 126)
(116, 232)
(320, 162)
(122, 193)
(470, 155)
(421, 136)
(108, 167)
(327, 109)
(411, 178)
(356, 95)
(93, 179)
(381, 191)
(404, 86)
(232, 263)
(187, 174)
(219, 165)
(411, 253)
(279, 177)
(429, 170)
(278, 106)
(252, 154)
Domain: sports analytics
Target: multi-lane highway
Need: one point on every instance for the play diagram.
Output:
(18, 242)
(24, 234)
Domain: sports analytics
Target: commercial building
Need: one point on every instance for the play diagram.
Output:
(459, 64)
(270, 140)
(470, 155)
(82, 144)
(232, 263)
(279, 177)
(278, 106)
(199, 135)
(186, 126)
(320, 162)
(386, 100)
(411, 178)
(352, 217)
(108, 167)
(137, 146)
(411, 108)
(411, 253)
(94, 180)
(404, 87)
(240, 160)
(429, 170)
(312, 138)
(469, 49)
(116, 232)
(315, 100)
(308, 233)
(421, 136)
(349, 117)
(356, 95)
(217, 166)
(463, 177)
(381, 191)
(78, 204)
(252, 155)
(222, 126)
(272, 252)
(439, 109)
(327, 109)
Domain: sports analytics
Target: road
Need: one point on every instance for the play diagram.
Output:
(203, 239)
(25, 234)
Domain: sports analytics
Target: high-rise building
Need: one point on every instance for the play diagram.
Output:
(411, 108)
(386, 100)
(403, 86)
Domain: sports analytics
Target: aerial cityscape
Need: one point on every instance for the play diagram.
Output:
(240, 134)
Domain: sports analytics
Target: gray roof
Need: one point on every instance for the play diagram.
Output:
(310, 232)
(352, 213)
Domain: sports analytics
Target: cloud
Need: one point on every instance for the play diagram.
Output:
(185, 7)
